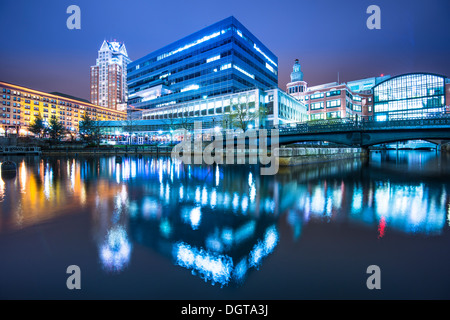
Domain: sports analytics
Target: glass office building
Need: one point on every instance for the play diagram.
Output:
(409, 96)
(212, 113)
(220, 59)
(280, 109)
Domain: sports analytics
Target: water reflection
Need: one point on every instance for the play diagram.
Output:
(222, 222)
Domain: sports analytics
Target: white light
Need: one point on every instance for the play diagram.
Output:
(205, 38)
(268, 66)
(213, 59)
(244, 72)
(265, 56)
(225, 66)
(190, 87)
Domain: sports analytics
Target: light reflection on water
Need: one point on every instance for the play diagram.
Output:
(221, 222)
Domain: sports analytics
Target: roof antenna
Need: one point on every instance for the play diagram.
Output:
(338, 78)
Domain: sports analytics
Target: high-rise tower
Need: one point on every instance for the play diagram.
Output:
(109, 76)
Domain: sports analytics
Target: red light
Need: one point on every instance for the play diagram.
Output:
(381, 227)
(382, 75)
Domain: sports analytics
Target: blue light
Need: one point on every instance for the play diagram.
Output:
(116, 250)
(263, 248)
(209, 266)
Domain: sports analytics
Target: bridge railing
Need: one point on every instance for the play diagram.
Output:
(355, 125)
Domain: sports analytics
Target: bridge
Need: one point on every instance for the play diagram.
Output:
(345, 131)
(365, 134)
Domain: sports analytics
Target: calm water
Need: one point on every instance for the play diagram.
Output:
(153, 228)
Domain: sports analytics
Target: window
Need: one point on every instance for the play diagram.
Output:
(316, 105)
(316, 95)
(334, 103)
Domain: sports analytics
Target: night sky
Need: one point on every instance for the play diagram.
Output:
(327, 36)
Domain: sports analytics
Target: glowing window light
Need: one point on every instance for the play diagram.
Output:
(189, 45)
(265, 56)
(190, 88)
(209, 266)
(225, 66)
(213, 59)
(268, 66)
(244, 72)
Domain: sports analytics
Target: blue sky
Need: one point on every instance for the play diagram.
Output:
(327, 36)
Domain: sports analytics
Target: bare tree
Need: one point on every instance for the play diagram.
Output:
(241, 115)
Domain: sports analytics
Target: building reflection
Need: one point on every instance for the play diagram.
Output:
(378, 200)
(218, 222)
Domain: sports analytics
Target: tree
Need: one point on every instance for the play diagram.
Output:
(55, 129)
(241, 115)
(37, 127)
(89, 130)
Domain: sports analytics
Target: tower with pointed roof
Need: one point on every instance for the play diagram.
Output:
(109, 76)
(297, 85)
